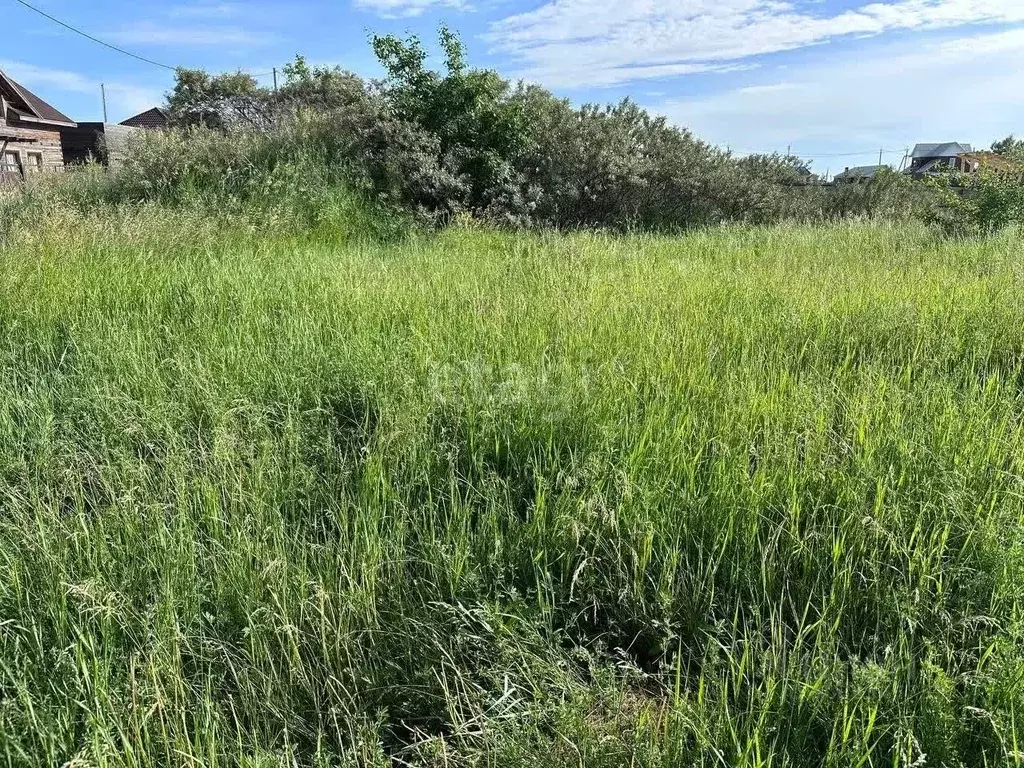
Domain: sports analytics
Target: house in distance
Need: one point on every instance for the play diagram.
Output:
(107, 143)
(155, 119)
(35, 137)
(859, 175)
(104, 143)
(931, 158)
(30, 132)
(993, 162)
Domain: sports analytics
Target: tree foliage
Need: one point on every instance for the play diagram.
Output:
(323, 89)
(229, 101)
(1011, 146)
(978, 203)
(457, 139)
(480, 129)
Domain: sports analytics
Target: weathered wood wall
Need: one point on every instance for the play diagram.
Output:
(104, 143)
(82, 143)
(118, 139)
(46, 142)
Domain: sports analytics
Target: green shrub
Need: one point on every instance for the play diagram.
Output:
(428, 146)
(978, 203)
(615, 166)
(464, 140)
(279, 183)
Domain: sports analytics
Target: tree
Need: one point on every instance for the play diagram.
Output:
(480, 129)
(227, 101)
(322, 89)
(1011, 146)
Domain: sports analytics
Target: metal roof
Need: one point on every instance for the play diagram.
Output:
(861, 170)
(940, 149)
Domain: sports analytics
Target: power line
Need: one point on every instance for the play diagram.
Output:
(820, 154)
(87, 36)
(856, 154)
(94, 39)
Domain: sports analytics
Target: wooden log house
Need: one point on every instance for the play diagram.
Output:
(30, 132)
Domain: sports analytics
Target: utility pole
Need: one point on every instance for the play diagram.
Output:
(789, 150)
(103, 92)
(880, 155)
(275, 81)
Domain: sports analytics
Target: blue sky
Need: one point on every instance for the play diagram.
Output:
(834, 79)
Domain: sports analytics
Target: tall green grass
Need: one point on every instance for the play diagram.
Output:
(749, 497)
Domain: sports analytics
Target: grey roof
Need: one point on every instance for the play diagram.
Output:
(860, 170)
(940, 149)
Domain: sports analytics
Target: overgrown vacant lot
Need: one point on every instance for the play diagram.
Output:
(747, 497)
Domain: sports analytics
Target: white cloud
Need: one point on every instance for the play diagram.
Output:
(151, 33)
(123, 99)
(568, 43)
(206, 9)
(396, 9)
(966, 89)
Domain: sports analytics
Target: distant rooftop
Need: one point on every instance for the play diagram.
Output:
(940, 149)
(151, 118)
(860, 171)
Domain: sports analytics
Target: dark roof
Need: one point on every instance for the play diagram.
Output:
(34, 107)
(860, 171)
(151, 118)
(928, 166)
(940, 149)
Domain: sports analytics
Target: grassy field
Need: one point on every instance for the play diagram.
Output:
(739, 498)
